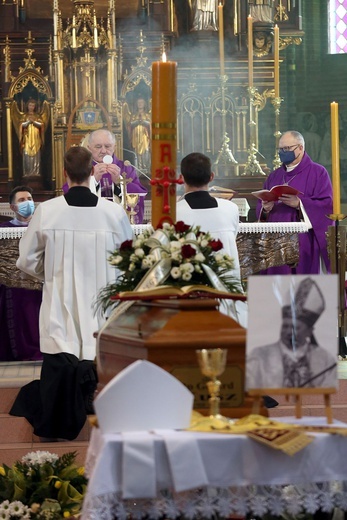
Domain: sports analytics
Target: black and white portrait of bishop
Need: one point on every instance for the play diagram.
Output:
(292, 339)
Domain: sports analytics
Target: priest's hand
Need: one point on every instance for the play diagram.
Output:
(290, 200)
(267, 206)
(114, 170)
(99, 170)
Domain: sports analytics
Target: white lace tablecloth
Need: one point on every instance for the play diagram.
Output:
(253, 227)
(170, 474)
(245, 227)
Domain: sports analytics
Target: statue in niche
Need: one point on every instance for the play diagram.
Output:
(138, 125)
(30, 127)
(204, 15)
(262, 43)
(261, 11)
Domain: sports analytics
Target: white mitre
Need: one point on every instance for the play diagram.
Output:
(143, 396)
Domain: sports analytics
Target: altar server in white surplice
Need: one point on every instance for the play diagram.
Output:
(67, 246)
(198, 208)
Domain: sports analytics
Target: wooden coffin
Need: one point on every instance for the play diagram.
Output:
(168, 333)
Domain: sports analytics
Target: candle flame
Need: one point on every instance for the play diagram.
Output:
(163, 58)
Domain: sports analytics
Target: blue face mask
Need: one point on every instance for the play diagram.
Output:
(287, 157)
(26, 208)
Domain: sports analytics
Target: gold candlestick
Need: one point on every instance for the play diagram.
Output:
(277, 61)
(221, 38)
(252, 167)
(225, 155)
(276, 101)
(250, 50)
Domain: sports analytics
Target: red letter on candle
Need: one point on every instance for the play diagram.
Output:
(165, 152)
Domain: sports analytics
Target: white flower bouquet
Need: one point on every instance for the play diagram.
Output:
(175, 255)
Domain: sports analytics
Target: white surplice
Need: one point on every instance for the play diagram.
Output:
(222, 222)
(67, 247)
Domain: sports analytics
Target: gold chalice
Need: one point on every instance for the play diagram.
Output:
(132, 200)
(212, 363)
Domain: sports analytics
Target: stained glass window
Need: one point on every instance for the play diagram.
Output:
(337, 26)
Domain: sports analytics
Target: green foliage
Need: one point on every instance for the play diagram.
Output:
(42, 485)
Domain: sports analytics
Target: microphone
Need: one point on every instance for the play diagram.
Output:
(128, 163)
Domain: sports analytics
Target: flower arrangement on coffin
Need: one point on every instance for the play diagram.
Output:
(42, 485)
(176, 256)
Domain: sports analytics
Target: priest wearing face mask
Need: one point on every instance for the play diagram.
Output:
(19, 307)
(22, 204)
(312, 204)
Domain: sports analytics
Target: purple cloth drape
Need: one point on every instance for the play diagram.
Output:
(19, 324)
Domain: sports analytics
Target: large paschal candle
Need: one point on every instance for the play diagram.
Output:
(164, 141)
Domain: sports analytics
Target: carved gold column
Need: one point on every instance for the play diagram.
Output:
(58, 154)
(58, 57)
(9, 140)
(111, 79)
(51, 106)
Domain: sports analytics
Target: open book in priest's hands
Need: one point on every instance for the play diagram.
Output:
(162, 292)
(275, 193)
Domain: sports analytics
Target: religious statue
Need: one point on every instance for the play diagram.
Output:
(261, 11)
(204, 15)
(138, 126)
(30, 127)
(262, 43)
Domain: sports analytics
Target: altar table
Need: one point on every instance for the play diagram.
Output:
(197, 475)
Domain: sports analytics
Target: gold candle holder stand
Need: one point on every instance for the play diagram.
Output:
(276, 101)
(225, 155)
(252, 167)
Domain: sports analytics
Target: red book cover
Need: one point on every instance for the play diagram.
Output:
(275, 193)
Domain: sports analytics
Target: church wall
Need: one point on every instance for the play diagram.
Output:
(318, 79)
(310, 80)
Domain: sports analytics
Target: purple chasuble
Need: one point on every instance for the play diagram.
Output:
(314, 184)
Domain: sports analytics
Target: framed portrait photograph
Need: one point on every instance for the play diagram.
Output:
(292, 335)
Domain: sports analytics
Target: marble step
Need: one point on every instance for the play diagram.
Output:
(17, 438)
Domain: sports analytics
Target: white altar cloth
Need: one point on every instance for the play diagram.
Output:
(174, 473)
(253, 227)
(245, 227)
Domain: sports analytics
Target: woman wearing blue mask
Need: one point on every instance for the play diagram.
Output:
(313, 203)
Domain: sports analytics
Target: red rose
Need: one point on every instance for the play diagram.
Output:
(216, 245)
(181, 227)
(127, 244)
(188, 251)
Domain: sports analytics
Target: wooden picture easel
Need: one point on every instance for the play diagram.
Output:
(297, 393)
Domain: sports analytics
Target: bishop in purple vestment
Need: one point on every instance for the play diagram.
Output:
(315, 199)
(105, 181)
